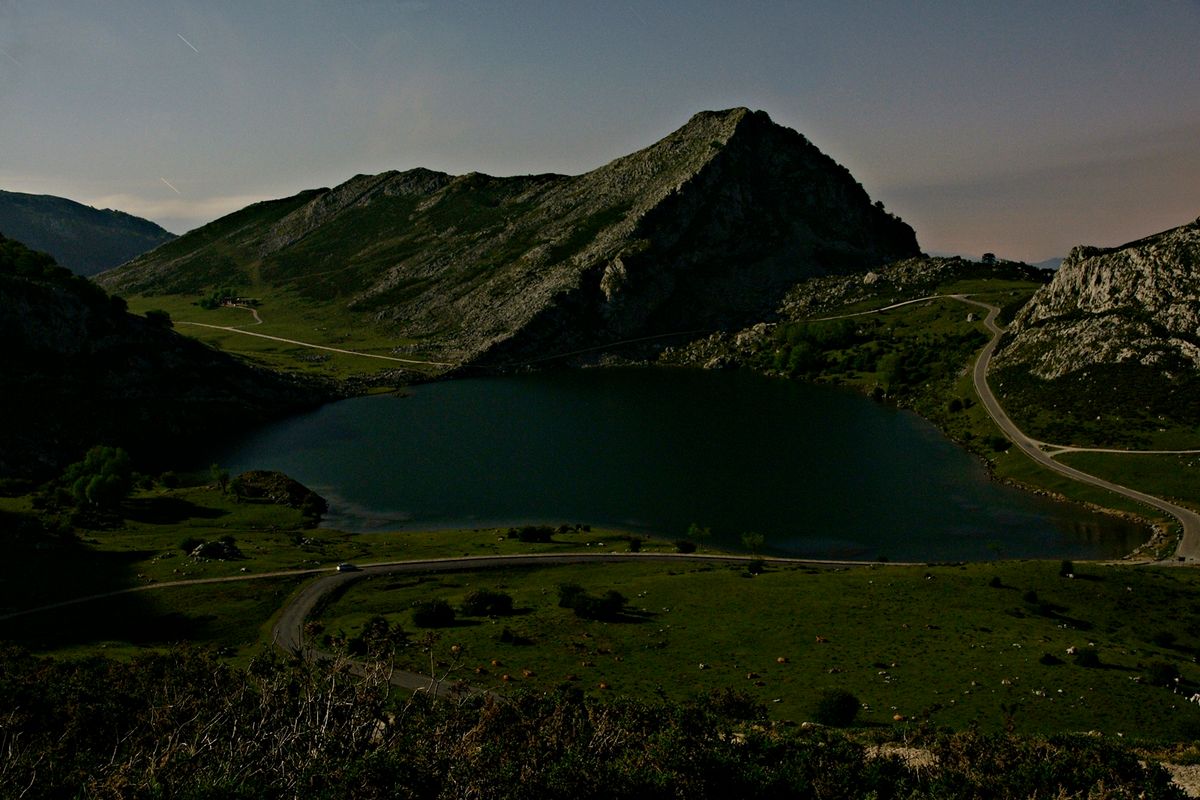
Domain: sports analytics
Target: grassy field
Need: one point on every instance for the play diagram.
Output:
(144, 547)
(951, 645)
(288, 316)
(1175, 477)
(944, 644)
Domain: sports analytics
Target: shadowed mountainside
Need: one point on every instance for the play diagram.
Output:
(83, 239)
(76, 369)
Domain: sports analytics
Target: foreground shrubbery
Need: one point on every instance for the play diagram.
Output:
(184, 725)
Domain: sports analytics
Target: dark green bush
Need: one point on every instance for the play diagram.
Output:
(484, 603)
(836, 708)
(432, 614)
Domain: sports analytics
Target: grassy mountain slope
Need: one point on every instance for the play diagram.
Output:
(76, 369)
(707, 228)
(83, 239)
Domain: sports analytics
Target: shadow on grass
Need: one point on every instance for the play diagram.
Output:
(167, 510)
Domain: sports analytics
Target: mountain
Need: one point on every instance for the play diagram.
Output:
(77, 370)
(704, 229)
(1049, 263)
(1116, 332)
(83, 239)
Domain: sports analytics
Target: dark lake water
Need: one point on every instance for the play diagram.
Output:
(819, 472)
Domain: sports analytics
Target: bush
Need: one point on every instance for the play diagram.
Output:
(635, 544)
(836, 708)
(1087, 657)
(189, 544)
(1161, 673)
(684, 546)
(1066, 569)
(532, 533)
(159, 318)
(432, 614)
(608, 606)
(485, 603)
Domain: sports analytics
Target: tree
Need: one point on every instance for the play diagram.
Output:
(989, 258)
(103, 479)
(753, 542)
(220, 477)
(697, 533)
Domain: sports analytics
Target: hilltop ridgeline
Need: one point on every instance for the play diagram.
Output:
(1138, 303)
(77, 370)
(706, 229)
(83, 239)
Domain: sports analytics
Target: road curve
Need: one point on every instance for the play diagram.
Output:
(288, 632)
(1189, 542)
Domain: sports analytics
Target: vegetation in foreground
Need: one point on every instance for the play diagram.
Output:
(183, 725)
(1013, 645)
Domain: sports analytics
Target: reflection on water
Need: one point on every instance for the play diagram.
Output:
(820, 472)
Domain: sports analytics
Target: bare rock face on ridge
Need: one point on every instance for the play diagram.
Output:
(705, 229)
(1134, 304)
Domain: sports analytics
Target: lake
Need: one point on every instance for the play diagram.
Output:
(819, 471)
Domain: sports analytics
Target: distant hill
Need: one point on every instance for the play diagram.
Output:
(83, 239)
(1049, 263)
(1115, 334)
(707, 228)
(77, 370)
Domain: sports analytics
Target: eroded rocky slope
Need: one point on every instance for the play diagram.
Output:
(1137, 304)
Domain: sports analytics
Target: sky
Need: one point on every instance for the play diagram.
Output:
(1017, 128)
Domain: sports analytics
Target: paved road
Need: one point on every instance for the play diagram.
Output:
(288, 632)
(1189, 542)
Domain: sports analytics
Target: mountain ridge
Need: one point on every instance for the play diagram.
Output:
(705, 228)
(83, 239)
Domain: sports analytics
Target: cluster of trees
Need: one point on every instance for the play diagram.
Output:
(216, 297)
(608, 606)
(183, 724)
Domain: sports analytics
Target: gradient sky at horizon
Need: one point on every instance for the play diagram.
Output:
(1021, 128)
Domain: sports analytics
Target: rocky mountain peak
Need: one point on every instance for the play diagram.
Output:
(1139, 302)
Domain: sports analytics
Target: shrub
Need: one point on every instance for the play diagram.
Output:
(1066, 569)
(432, 614)
(1161, 673)
(1087, 657)
(159, 318)
(484, 603)
(684, 546)
(1164, 639)
(532, 533)
(610, 605)
(836, 708)
(635, 544)
(189, 544)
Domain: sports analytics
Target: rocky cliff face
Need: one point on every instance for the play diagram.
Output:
(1138, 304)
(705, 229)
(83, 239)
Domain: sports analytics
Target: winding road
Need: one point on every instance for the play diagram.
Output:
(1189, 542)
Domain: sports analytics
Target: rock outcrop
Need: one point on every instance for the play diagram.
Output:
(706, 229)
(1137, 304)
